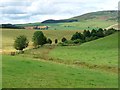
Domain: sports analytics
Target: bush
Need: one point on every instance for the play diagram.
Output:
(77, 41)
(21, 42)
(87, 39)
(49, 41)
(69, 42)
(93, 33)
(100, 33)
(86, 33)
(109, 31)
(64, 39)
(63, 44)
(93, 37)
(39, 39)
(77, 36)
(56, 41)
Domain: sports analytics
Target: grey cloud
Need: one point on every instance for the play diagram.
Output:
(16, 17)
(27, 10)
(12, 10)
(15, 3)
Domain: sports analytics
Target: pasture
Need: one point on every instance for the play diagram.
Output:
(90, 65)
(31, 73)
(80, 25)
(88, 55)
(99, 52)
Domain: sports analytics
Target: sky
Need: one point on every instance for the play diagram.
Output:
(30, 11)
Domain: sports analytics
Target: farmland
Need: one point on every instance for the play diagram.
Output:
(100, 19)
(92, 64)
(9, 35)
(29, 73)
(40, 67)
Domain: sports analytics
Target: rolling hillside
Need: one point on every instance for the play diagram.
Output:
(91, 20)
(102, 15)
(31, 71)
(103, 52)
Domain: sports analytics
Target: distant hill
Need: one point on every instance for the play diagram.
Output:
(103, 15)
(59, 21)
(102, 19)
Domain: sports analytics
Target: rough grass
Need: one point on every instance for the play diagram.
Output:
(40, 67)
(103, 52)
(21, 72)
(100, 54)
(37, 68)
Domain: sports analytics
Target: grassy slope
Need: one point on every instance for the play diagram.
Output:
(26, 73)
(104, 15)
(103, 51)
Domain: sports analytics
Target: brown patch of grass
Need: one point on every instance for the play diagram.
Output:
(100, 67)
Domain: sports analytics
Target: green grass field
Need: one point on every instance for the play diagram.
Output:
(88, 25)
(103, 51)
(30, 73)
(99, 54)
(81, 25)
(54, 67)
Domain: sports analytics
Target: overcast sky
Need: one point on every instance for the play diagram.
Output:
(29, 11)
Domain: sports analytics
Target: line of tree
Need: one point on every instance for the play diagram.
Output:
(87, 35)
(39, 39)
(11, 26)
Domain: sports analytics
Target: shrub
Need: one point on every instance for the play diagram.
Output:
(39, 39)
(93, 33)
(56, 41)
(64, 39)
(100, 33)
(49, 41)
(21, 42)
(69, 42)
(109, 31)
(77, 41)
(86, 33)
(87, 39)
(77, 36)
(63, 44)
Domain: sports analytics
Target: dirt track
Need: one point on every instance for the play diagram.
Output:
(111, 26)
